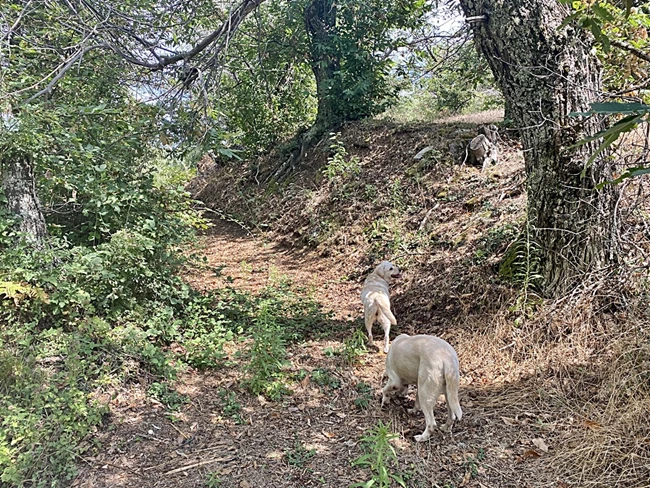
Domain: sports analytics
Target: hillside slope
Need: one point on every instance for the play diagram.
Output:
(365, 198)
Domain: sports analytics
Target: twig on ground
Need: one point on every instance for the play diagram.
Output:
(185, 436)
(202, 463)
(107, 463)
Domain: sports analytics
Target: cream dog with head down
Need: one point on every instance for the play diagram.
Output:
(376, 299)
(430, 363)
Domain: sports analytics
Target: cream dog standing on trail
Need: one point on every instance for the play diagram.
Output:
(430, 363)
(376, 299)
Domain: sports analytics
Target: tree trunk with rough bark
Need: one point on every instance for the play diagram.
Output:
(545, 74)
(320, 20)
(20, 190)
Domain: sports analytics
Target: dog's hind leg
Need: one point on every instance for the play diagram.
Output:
(428, 393)
(385, 323)
(427, 408)
(454, 411)
(370, 313)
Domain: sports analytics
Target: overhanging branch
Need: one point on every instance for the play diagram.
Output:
(76, 57)
(225, 31)
(628, 47)
(107, 35)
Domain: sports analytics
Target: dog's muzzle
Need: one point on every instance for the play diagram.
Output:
(396, 276)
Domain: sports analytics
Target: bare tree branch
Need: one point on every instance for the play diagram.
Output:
(103, 26)
(77, 56)
(628, 47)
(217, 38)
(11, 29)
(634, 88)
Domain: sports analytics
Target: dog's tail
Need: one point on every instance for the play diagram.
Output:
(452, 379)
(385, 309)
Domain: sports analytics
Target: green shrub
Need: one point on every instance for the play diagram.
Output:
(364, 399)
(167, 395)
(379, 457)
(354, 348)
(298, 315)
(267, 355)
(230, 407)
(81, 315)
(339, 163)
(323, 377)
(45, 411)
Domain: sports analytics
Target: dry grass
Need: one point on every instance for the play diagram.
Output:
(589, 375)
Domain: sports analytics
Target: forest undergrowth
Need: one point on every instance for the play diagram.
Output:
(576, 367)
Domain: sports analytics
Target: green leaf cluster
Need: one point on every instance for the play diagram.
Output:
(267, 88)
(613, 24)
(365, 36)
(631, 115)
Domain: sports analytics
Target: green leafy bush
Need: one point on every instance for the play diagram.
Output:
(323, 377)
(45, 405)
(85, 313)
(167, 395)
(365, 395)
(267, 355)
(339, 164)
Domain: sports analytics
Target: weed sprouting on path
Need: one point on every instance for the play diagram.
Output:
(380, 458)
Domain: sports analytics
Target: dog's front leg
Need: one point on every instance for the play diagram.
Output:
(384, 394)
(393, 384)
(384, 397)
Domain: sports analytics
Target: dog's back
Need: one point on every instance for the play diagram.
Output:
(372, 286)
(420, 358)
(375, 297)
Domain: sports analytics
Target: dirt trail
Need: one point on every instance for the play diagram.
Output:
(311, 437)
(236, 258)
(143, 447)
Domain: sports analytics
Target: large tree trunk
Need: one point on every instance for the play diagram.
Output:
(320, 20)
(545, 74)
(20, 190)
